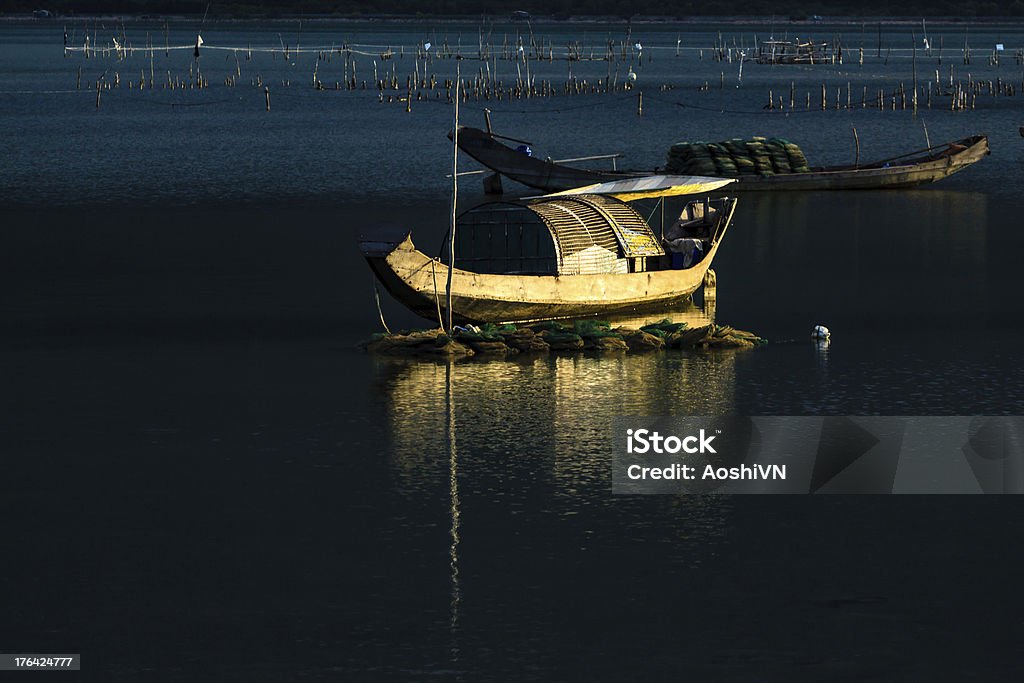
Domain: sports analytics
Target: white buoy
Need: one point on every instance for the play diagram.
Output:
(820, 332)
(631, 77)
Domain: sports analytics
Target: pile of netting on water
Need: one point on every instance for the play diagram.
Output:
(736, 157)
(578, 336)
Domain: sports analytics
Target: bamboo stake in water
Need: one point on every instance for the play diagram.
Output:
(914, 40)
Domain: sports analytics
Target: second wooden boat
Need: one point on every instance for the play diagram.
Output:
(907, 170)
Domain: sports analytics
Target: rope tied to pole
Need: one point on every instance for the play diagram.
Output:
(380, 312)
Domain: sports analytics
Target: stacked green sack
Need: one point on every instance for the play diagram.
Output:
(797, 160)
(690, 158)
(736, 157)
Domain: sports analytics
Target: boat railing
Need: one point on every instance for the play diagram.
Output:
(933, 152)
(593, 157)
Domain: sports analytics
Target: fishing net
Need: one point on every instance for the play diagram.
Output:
(592, 329)
(549, 325)
(663, 328)
(562, 341)
(585, 335)
(487, 333)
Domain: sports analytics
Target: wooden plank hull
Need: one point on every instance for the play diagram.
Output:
(552, 177)
(418, 282)
(872, 177)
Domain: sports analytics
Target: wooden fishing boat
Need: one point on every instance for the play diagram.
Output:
(541, 174)
(579, 253)
(906, 170)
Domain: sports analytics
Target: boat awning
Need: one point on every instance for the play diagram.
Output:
(583, 220)
(650, 187)
(590, 233)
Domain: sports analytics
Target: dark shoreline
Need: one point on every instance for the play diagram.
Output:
(400, 19)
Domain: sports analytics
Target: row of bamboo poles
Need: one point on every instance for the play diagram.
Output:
(530, 46)
(424, 84)
(419, 86)
(573, 52)
(962, 94)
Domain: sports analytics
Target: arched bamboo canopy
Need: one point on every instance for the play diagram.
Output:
(573, 235)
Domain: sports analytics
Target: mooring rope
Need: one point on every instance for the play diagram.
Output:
(376, 295)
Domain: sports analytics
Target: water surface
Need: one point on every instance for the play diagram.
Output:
(203, 477)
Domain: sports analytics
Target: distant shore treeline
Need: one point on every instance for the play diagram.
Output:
(783, 9)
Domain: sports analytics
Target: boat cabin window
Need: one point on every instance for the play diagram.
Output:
(504, 239)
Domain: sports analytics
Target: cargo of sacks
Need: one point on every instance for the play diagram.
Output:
(736, 157)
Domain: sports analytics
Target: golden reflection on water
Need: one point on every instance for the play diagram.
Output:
(454, 509)
(554, 409)
(549, 418)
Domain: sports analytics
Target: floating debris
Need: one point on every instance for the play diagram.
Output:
(579, 336)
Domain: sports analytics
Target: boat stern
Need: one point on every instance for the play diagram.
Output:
(380, 243)
(397, 263)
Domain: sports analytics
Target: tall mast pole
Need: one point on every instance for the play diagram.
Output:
(455, 194)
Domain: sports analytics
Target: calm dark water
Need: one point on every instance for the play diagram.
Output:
(203, 479)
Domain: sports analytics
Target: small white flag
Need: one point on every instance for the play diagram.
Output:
(199, 40)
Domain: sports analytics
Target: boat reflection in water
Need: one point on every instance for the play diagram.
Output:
(503, 438)
(538, 406)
